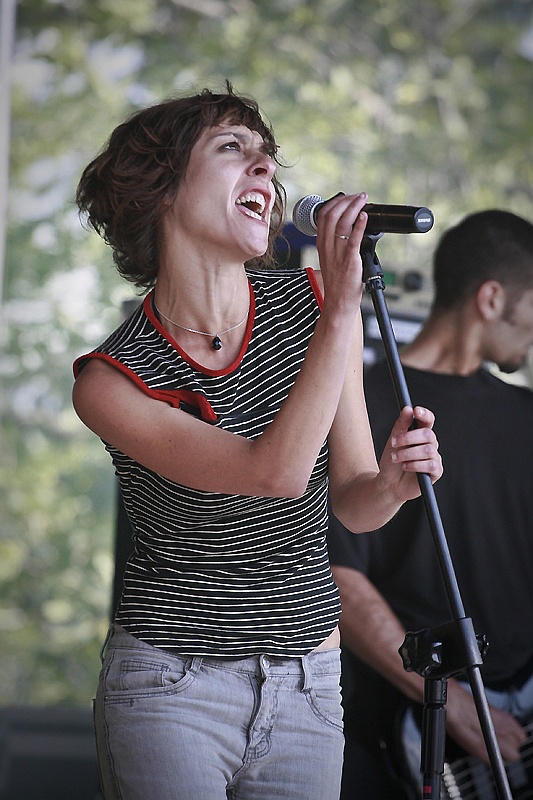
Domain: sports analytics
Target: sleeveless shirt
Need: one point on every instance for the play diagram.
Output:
(216, 574)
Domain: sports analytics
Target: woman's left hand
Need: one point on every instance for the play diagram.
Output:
(409, 452)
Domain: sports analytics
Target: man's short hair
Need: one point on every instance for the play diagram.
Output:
(487, 245)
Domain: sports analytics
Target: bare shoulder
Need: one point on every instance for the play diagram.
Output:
(102, 388)
(95, 375)
(151, 432)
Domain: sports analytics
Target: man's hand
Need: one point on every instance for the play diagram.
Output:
(463, 726)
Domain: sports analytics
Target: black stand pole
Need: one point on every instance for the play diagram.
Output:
(451, 648)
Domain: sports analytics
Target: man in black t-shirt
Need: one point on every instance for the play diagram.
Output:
(390, 581)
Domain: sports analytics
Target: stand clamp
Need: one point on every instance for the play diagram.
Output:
(436, 654)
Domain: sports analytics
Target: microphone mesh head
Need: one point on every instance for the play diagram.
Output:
(302, 215)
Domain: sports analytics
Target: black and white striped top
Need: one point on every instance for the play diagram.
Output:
(216, 574)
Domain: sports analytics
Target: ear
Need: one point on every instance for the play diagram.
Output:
(491, 300)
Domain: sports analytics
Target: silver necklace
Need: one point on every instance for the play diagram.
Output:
(216, 342)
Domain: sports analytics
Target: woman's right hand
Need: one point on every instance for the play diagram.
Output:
(341, 225)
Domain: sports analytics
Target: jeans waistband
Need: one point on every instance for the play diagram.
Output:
(316, 662)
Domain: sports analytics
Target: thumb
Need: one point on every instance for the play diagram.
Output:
(402, 424)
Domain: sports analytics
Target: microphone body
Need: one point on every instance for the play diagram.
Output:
(382, 218)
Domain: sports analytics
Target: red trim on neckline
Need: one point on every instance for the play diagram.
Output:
(149, 311)
(315, 287)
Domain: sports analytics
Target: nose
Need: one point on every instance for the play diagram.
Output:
(262, 165)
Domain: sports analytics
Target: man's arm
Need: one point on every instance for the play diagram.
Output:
(371, 630)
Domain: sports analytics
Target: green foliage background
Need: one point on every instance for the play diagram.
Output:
(423, 103)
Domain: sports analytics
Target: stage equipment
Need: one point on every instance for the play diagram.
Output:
(451, 648)
(48, 753)
(382, 218)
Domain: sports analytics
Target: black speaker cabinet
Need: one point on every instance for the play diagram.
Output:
(48, 754)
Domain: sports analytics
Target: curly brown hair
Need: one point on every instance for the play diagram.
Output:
(125, 189)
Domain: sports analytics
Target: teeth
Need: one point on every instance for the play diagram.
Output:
(254, 199)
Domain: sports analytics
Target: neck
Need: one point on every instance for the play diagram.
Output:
(203, 300)
(216, 341)
(448, 343)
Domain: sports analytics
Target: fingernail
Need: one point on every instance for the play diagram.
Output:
(394, 441)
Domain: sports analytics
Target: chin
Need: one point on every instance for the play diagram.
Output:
(255, 252)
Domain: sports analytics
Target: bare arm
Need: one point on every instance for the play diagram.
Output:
(364, 495)
(326, 399)
(189, 451)
(280, 461)
(364, 500)
(371, 630)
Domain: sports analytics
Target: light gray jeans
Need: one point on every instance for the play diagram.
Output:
(181, 728)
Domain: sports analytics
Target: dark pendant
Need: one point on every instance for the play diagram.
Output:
(216, 344)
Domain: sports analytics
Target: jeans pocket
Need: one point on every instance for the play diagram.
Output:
(137, 673)
(140, 675)
(324, 698)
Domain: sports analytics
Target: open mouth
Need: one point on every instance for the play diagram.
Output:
(253, 204)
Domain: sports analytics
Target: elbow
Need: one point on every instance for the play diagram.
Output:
(355, 505)
(338, 508)
(289, 489)
(278, 473)
(295, 489)
(285, 484)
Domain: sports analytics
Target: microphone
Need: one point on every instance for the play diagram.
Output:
(382, 218)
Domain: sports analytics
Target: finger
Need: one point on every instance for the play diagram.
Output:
(339, 215)
(510, 736)
(421, 451)
(509, 748)
(417, 451)
(358, 229)
(419, 418)
(416, 436)
(402, 424)
(352, 221)
(506, 726)
(424, 416)
(429, 467)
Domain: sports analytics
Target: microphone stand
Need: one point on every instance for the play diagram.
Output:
(452, 648)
